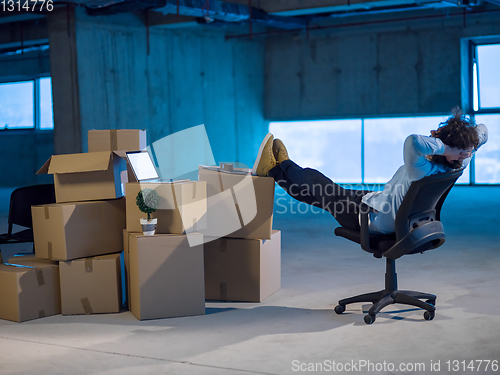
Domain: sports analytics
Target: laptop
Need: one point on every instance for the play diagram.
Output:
(143, 167)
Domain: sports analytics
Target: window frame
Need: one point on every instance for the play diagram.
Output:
(36, 102)
(473, 77)
(472, 85)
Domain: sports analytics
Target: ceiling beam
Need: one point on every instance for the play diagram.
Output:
(212, 9)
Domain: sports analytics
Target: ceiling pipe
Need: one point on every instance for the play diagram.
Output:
(368, 10)
(213, 9)
(229, 12)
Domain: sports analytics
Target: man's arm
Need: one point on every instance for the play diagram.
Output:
(416, 148)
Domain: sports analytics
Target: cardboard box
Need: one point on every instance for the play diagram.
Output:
(29, 291)
(244, 270)
(65, 231)
(239, 206)
(84, 177)
(91, 285)
(182, 209)
(126, 259)
(166, 276)
(117, 139)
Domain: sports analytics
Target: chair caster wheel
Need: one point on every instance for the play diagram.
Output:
(339, 309)
(431, 302)
(429, 315)
(369, 319)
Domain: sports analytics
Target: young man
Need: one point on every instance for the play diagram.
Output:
(449, 147)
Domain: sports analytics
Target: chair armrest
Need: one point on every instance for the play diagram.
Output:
(426, 237)
(364, 226)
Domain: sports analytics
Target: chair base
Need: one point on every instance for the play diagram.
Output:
(384, 298)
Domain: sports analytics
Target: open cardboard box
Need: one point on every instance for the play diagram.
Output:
(86, 176)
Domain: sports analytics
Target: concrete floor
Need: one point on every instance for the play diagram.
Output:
(296, 327)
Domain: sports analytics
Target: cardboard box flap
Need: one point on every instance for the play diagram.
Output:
(72, 163)
(121, 153)
(15, 268)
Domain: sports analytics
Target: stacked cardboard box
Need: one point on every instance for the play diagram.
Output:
(29, 289)
(91, 285)
(214, 240)
(165, 271)
(117, 140)
(242, 251)
(165, 275)
(73, 235)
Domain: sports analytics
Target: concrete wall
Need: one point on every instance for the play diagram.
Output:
(190, 77)
(376, 69)
(23, 152)
(103, 78)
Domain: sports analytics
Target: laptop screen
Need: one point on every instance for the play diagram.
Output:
(142, 165)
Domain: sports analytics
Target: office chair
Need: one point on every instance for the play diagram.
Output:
(21, 201)
(418, 229)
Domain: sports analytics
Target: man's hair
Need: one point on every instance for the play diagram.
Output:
(457, 131)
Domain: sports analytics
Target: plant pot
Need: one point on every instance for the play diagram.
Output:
(148, 226)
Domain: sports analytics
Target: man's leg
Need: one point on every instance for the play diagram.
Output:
(312, 187)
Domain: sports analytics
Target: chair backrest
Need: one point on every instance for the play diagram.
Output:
(423, 201)
(23, 198)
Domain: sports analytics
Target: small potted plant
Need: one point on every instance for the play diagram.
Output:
(148, 200)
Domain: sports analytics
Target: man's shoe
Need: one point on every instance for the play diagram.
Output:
(279, 151)
(265, 159)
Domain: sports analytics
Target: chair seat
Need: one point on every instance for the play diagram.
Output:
(379, 243)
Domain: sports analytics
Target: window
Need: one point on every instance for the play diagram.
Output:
(333, 147)
(17, 105)
(26, 105)
(487, 163)
(485, 93)
(486, 76)
(46, 119)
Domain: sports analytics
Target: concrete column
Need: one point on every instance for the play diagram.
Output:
(64, 72)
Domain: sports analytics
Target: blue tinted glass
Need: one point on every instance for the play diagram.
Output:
(488, 57)
(332, 147)
(487, 164)
(384, 140)
(46, 119)
(16, 105)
